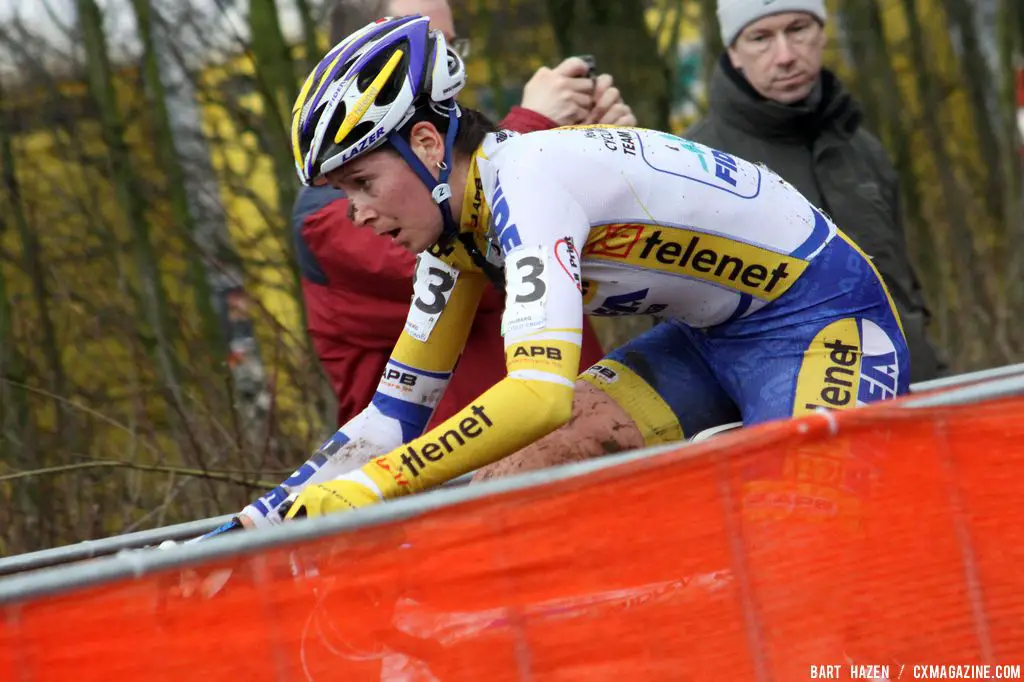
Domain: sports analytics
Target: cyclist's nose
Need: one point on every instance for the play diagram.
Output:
(362, 215)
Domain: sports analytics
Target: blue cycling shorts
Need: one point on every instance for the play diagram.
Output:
(833, 341)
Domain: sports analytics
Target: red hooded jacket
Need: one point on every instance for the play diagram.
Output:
(357, 288)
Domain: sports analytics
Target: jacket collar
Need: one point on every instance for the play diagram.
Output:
(735, 101)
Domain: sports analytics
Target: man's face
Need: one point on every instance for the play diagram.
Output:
(439, 11)
(781, 55)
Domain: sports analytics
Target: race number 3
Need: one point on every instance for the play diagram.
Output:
(526, 290)
(432, 285)
(531, 276)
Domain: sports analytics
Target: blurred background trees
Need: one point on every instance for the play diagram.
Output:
(153, 360)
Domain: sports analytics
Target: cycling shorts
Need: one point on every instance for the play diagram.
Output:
(833, 341)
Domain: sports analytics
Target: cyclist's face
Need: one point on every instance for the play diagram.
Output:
(386, 196)
(781, 55)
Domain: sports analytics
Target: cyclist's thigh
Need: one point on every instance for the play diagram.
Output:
(833, 341)
(664, 384)
(834, 365)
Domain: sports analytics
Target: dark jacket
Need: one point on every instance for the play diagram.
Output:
(825, 153)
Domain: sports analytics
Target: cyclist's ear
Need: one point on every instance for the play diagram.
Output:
(428, 144)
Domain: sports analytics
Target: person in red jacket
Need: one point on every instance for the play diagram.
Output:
(357, 285)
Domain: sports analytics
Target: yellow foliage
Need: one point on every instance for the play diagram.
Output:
(70, 203)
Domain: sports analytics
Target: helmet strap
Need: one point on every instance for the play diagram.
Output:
(440, 190)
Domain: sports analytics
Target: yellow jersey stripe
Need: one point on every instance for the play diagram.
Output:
(732, 264)
(652, 415)
(538, 375)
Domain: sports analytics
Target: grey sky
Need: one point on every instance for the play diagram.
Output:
(221, 21)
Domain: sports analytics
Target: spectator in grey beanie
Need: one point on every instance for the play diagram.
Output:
(770, 101)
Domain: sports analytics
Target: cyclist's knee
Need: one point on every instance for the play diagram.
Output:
(604, 426)
(598, 427)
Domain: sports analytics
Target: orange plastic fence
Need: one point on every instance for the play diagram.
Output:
(880, 537)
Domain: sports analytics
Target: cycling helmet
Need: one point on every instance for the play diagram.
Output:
(370, 85)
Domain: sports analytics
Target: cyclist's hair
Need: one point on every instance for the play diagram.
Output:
(473, 126)
(348, 16)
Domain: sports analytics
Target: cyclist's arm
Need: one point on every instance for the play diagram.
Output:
(542, 328)
(413, 382)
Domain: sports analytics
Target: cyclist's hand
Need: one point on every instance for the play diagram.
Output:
(609, 109)
(564, 94)
(331, 497)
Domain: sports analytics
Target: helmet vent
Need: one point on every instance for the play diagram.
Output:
(362, 129)
(336, 121)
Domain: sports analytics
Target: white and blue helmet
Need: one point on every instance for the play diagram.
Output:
(367, 87)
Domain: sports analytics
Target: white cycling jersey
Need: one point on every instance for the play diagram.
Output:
(662, 225)
(605, 220)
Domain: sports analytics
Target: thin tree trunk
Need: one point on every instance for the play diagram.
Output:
(309, 34)
(485, 21)
(975, 305)
(152, 304)
(892, 106)
(885, 108)
(32, 261)
(275, 74)
(713, 47)
(1018, 21)
(22, 527)
(222, 266)
(1011, 47)
(177, 191)
(56, 376)
(865, 84)
(669, 54)
(979, 83)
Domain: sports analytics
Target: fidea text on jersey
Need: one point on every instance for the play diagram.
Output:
(501, 220)
(725, 165)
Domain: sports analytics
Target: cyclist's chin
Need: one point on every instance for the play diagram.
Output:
(422, 240)
(414, 241)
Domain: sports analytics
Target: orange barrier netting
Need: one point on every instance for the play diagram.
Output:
(879, 537)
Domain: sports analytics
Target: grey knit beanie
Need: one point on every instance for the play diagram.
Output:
(735, 15)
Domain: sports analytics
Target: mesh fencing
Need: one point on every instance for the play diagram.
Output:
(877, 537)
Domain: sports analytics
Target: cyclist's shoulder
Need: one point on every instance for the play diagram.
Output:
(562, 152)
(504, 144)
(579, 148)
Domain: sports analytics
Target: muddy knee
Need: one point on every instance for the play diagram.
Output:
(598, 427)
